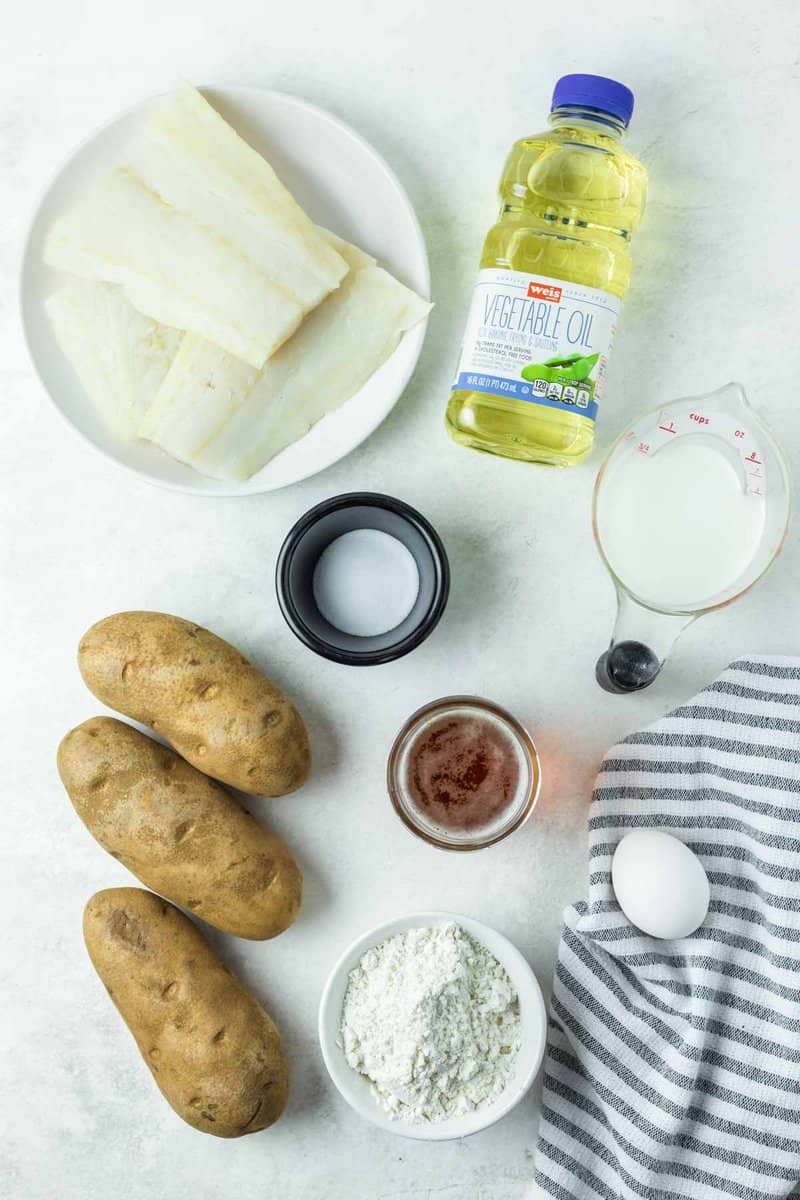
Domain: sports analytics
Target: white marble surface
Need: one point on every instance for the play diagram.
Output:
(441, 88)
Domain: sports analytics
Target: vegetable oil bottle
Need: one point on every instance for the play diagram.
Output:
(553, 273)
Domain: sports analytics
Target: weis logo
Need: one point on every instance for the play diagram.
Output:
(544, 291)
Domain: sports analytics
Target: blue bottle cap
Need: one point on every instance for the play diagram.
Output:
(594, 91)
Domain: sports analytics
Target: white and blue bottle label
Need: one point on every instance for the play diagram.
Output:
(539, 340)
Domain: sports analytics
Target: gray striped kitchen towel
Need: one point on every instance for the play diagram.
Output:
(673, 1067)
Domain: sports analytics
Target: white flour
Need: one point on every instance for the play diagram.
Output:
(431, 1018)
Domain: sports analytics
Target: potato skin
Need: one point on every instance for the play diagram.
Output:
(218, 711)
(211, 1048)
(180, 833)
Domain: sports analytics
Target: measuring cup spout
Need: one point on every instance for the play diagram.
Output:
(641, 641)
(731, 397)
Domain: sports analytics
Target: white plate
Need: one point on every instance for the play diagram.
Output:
(533, 1030)
(341, 182)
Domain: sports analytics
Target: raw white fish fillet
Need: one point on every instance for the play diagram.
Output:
(201, 233)
(193, 159)
(120, 356)
(207, 385)
(227, 422)
(171, 268)
(327, 362)
(204, 388)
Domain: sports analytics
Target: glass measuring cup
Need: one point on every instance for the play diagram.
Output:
(690, 508)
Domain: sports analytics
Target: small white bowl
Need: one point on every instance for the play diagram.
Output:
(533, 1029)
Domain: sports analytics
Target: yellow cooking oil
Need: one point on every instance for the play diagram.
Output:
(553, 273)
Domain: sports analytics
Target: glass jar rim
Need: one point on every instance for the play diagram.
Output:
(522, 738)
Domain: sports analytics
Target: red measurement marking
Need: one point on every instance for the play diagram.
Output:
(756, 491)
(700, 419)
(643, 448)
(669, 428)
(756, 474)
(753, 458)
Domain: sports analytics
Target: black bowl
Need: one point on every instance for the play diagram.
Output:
(315, 531)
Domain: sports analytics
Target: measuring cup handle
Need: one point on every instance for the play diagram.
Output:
(627, 667)
(641, 642)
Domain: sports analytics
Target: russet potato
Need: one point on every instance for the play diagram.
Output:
(211, 1048)
(218, 710)
(179, 832)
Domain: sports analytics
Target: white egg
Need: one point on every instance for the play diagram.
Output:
(660, 884)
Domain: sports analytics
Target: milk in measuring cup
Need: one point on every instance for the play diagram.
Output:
(690, 508)
(679, 523)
